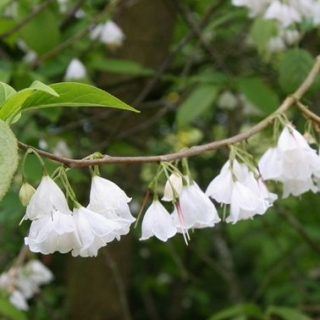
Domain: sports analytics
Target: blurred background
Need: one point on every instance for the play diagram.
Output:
(198, 71)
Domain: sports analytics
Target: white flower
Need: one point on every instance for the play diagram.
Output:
(157, 222)
(94, 231)
(47, 199)
(111, 201)
(18, 300)
(283, 13)
(56, 232)
(293, 162)
(173, 187)
(227, 100)
(194, 209)
(25, 193)
(236, 186)
(108, 33)
(37, 272)
(75, 70)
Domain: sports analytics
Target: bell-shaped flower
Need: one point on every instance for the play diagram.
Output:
(37, 272)
(56, 232)
(195, 209)
(111, 201)
(157, 222)
(237, 186)
(173, 187)
(46, 200)
(75, 70)
(108, 33)
(292, 162)
(94, 231)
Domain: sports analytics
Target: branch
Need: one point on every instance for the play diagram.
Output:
(193, 151)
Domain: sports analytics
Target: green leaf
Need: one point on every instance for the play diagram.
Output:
(295, 65)
(120, 66)
(262, 31)
(43, 87)
(198, 101)
(9, 311)
(287, 313)
(6, 92)
(257, 92)
(39, 38)
(8, 157)
(73, 94)
(248, 309)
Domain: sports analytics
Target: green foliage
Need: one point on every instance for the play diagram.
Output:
(9, 312)
(261, 32)
(8, 156)
(260, 94)
(286, 313)
(198, 101)
(293, 69)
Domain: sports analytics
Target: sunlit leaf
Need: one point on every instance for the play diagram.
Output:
(43, 87)
(73, 94)
(287, 313)
(6, 92)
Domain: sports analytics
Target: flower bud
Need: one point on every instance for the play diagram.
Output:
(26, 192)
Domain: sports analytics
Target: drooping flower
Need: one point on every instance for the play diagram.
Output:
(237, 186)
(18, 300)
(25, 193)
(51, 233)
(108, 33)
(46, 200)
(197, 211)
(157, 222)
(292, 162)
(111, 201)
(255, 7)
(75, 70)
(94, 231)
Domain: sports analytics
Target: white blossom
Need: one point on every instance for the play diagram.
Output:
(237, 186)
(283, 13)
(194, 209)
(75, 70)
(107, 199)
(157, 222)
(292, 162)
(46, 200)
(56, 232)
(108, 33)
(18, 300)
(255, 7)
(94, 231)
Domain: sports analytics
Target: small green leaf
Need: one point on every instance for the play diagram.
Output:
(248, 309)
(262, 31)
(198, 101)
(257, 92)
(295, 65)
(8, 157)
(8, 311)
(73, 94)
(6, 92)
(43, 87)
(287, 313)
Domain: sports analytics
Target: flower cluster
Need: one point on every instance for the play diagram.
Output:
(243, 190)
(24, 282)
(192, 210)
(83, 231)
(284, 163)
(287, 14)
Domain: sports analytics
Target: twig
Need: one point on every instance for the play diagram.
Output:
(193, 151)
(308, 114)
